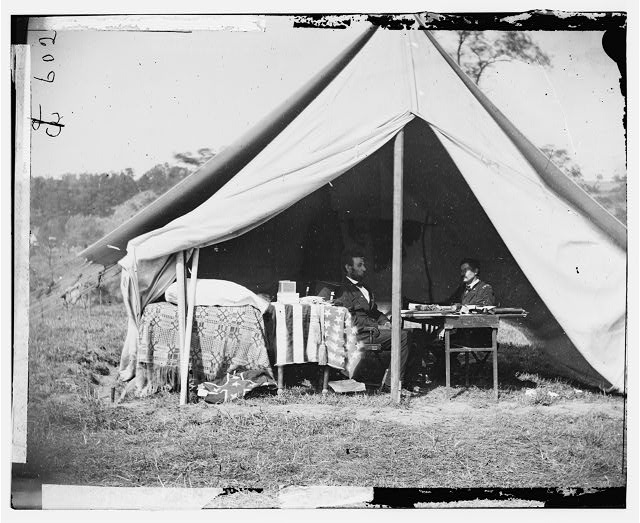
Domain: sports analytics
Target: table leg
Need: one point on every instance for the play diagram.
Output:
(447, 361)
(466, 369)
(325, 380)
(280, 379)
(494, 345)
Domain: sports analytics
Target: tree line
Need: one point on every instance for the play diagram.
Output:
(71, 212)
(58, 205)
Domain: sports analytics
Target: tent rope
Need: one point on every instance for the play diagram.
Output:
(52, 299)
(53, 303)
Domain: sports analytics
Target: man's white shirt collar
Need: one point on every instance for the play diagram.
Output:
(361, 288)
(473, 284)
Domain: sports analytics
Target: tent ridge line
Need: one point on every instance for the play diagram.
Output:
(557, 181)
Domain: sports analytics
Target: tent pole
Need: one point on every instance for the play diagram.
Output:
(191, 305)
(182, 299)
(396, 275)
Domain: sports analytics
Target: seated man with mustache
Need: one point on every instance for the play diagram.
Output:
(472, 290)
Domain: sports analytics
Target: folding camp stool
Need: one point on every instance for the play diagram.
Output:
(475, 321)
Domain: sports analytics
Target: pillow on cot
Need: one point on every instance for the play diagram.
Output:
(219, 292)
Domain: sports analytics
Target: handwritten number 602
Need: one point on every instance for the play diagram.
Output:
(51, 76)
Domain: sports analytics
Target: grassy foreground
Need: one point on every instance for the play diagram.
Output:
(543, 432)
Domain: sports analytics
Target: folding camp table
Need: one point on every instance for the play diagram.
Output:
(450, 321)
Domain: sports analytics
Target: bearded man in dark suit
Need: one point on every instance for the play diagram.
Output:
(360, 300)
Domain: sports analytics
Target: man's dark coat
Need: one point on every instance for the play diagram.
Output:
(481, 294)
(363, 313)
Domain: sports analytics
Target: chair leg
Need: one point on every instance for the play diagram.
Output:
(447, 362)
(384, 379)
(466, 369)
(280, 379)
(494, 344)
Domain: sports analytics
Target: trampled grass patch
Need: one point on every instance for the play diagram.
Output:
(77, 436)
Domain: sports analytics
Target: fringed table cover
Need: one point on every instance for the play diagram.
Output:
(225, 340)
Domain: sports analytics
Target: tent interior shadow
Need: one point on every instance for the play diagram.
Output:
(443, 223)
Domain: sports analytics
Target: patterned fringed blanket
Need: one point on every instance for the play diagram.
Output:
(225, 340)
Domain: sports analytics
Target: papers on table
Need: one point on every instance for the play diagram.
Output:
(431, 307)
(425, 310)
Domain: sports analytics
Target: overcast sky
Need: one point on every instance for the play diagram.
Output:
(134, 99)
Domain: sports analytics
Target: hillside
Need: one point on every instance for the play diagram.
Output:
(70, 213)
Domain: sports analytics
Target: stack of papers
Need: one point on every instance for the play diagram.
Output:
(431, 307)
(347, 386)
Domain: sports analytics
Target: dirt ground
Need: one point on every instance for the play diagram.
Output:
(544, 431)
(421, 410)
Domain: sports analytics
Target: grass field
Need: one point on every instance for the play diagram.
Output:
(556, 435)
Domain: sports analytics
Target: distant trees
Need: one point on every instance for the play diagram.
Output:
(71, 212)
(81, 230)
(562, 159)
(613, 197)
(77, 209)
(204, 155)
(94, 194)
(476, 51)
(160, 178)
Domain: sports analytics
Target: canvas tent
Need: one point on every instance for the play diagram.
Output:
(281, 202)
